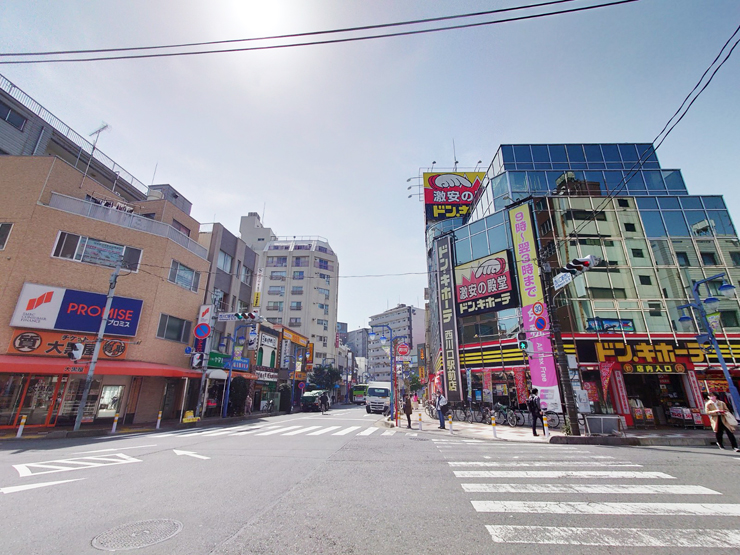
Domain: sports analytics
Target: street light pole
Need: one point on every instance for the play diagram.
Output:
(393, 367)
(231, 366)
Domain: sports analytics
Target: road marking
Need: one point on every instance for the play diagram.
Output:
(278, 431)
(219, 433)
(412, 434)
(603, 489)
(631, 509)
(388, 433)
(621, 474)
(368, 431)
(302, 430)
(346, 431)
(115, 449)
(14, 489)
(255, 429)
(522, 464)
(325, 430)
(190, 454)
(65, 465)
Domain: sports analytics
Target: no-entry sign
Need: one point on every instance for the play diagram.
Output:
(403, 349)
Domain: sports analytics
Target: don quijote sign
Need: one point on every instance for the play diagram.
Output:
(57, 308)
(485, 285)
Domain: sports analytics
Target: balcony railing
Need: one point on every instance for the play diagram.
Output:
(125, 219)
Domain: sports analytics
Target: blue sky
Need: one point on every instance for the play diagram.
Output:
(325, 137)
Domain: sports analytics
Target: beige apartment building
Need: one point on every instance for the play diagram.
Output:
(61, 234)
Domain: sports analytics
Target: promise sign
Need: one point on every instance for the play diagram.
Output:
(447, 320)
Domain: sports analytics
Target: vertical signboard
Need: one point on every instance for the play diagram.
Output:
(258, 287)
(535, 321)
(447, 320)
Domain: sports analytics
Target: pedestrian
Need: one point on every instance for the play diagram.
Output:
(407, 409)
(535, 409)
(722, 420)
(441, 406)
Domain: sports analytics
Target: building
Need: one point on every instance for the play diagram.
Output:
(407, 323)
(621, 322)
(342, 334)
(296, 284)
(357, 341)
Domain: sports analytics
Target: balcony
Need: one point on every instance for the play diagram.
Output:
(113, 216)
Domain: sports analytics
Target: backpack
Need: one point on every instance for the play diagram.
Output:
(532, 404)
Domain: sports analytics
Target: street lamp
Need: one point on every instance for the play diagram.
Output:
(727, 290)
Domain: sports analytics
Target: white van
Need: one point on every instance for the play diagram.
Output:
(378, 397)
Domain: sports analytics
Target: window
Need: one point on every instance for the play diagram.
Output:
(12, 117)
(184, 276)
(623, 203)
(735, 256)
(683, 259)
(276, 290)
(94, 251)
(322, 249)
(277, 261)
(323, 264)
(244, 275)
(324, 323)
(729, 318)
(302, 248)
(655, 309)
(275, 305)
(278, 276)
(5, 233)
(630, 227)
(323, 291)
(637, 253)
(708, 259)
(645, 280)
(275, 320)
(546, 227)
(325, 308)
(300, 262)
(274, 247)
(173, 328)
(294, 322)
(296, 305)
(326, 278)
(181, 228)
(296, 290)
(242, 306)
(225, 262)
(298, 274)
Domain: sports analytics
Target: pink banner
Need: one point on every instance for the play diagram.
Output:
(605, 368)
(542, 369)
(623, 406)
(520, 379)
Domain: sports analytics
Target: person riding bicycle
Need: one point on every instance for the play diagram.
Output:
(324, 402)
(535, 409)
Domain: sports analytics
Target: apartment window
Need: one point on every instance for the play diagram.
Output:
(324, 323)
(294, 322)
(623, 203)
(184, 276)
(296, 305)
(708, 259)
(325, 308)
(298, 274)
(174, 329)
(275, 247)
(276, 290)
(94, 251)
(277, 261)
(637, 253)
(683, 259)
(323, 291)
(296, 290)
(12, 117)
(326, 278)
(735, 256)
(300, 261)
(729, 318)
(181, 228)
(645, 280)
(302, 248)
(275, 320)
(5, 233)
(630, 227)
(244, 275)
(275, 305)
(323, 264)
(277, 276)
(322, 249)
(242, 306)
(225, 262)
(546, 227)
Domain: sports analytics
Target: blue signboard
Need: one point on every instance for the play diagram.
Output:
(83, 311)
(241, 364)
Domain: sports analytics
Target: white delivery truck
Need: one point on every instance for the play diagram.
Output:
(378, 397)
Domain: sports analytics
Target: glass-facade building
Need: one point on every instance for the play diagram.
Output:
(656, 240)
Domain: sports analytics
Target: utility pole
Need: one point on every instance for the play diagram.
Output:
(566, 386)
(98, 342)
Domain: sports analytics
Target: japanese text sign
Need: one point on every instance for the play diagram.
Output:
(449, 195)
(645, 353)
(447, 320)
(56, 344)
(485, 285)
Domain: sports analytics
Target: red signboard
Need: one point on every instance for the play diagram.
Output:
(449, 194)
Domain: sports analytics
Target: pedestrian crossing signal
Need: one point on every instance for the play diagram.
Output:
(75, 351)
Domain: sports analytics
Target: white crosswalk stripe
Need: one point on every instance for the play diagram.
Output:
(346, 431)
(602, 489)
(278, 431)
(388, 433)
(254, 430)
(548, 464)
(368, 431)
(302, 431)
(283, 430)
(622, 474)
(324, 430)
(583, 508)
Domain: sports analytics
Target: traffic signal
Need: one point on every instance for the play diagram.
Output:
(75, 351)
(198, 360)
(523, 343)
(579, 265)
(248, 316)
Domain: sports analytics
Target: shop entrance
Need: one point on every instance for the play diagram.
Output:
(659, 392)
(38, 398)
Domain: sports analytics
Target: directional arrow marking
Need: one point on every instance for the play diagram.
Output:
(190, 454)
(13, 489)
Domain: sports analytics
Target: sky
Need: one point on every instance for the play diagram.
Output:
(323, 139)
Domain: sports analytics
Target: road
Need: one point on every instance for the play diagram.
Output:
(341, 483)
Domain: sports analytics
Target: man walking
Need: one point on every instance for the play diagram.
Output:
(441, 406)
(535, 409)
(407, 409)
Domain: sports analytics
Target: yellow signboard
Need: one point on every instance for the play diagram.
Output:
(300, 376)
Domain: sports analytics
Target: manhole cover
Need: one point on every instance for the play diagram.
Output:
(135, 535)
(419, 438)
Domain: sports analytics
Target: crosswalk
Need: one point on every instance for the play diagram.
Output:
(285, 430)
(509, 487)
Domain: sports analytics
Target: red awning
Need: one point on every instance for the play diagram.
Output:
(10, 364)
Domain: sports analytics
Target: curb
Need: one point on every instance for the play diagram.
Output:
(632, 441)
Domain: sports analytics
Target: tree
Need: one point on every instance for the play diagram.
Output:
(414, 383)
(324, 377)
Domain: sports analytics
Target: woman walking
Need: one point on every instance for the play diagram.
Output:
(722, 420)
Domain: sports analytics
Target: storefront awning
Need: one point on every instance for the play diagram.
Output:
(218, 374)
(10, 364)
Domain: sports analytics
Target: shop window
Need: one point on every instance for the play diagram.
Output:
(729, 318)
(708, 259)
(94, 251)
(173, 329)
(5, 233)
(183, 276)
(645, 280)
(630, 227)
(683, 259)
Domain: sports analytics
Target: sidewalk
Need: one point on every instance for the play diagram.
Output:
(659, 436)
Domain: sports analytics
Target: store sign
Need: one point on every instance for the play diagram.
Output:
(294, 337)
(56, 344)
(266, 376)
(268, 341)
(218, 360)
(609, 325)
(485, 285)
(535, 320)
(448, 322)
(57, 308)
(258, 287)
(449, 195)
(641, 352)
(653, 369)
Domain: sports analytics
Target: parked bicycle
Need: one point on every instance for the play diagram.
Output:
(504, 414)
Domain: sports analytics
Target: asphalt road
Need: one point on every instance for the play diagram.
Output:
(340, 483)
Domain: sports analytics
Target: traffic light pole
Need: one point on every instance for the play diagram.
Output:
(566, 386)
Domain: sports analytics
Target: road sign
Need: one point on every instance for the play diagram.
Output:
(540, 324)
(298, 376)
(227, 317)
(301, 385)
(198, 360)
(561, 280)
(201, 331)
(403, 358)
(188, 350)
(403, 349)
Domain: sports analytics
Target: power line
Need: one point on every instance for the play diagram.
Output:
(324, 42)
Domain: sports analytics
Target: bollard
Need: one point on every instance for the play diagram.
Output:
(493, 425)
(449, 420)
(544, 422)
(159, 419)
(115, 424)
(419, 421)
(20, 428)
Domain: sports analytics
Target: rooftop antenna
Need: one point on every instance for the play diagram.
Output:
(97, 133)
(476, 166)
(264, 206)
(434, 162)
(454, 154)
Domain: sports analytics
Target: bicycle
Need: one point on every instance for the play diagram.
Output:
(460, 413)
(269, 407)
(504, 414)
(553, 419)
(485, 414)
